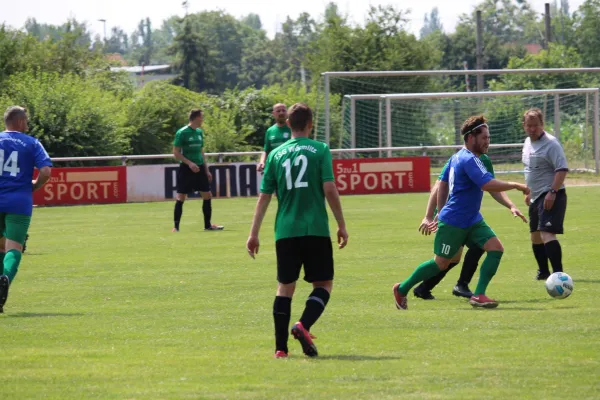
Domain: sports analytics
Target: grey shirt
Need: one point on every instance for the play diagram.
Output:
(542, 159)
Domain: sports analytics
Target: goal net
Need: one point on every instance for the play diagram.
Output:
(429, 123)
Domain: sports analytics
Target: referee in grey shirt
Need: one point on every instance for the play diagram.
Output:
(545, 172)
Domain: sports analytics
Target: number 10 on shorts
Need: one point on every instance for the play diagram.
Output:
(445, 249)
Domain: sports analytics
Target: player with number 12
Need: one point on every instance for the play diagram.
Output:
(301, 172)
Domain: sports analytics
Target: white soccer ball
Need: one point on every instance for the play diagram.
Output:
(559, 285)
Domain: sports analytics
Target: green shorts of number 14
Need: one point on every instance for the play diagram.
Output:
(449, 238)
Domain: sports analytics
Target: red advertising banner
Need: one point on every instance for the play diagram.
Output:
(382, 175)
(95, 185)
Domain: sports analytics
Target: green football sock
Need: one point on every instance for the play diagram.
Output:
(2, 262)
(421, 273)
(12, 259)
(488, 270)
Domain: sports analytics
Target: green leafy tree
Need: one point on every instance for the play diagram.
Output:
(68, 114)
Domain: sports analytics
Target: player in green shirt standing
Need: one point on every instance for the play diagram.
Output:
(276, 135)
(193, 174)
(301, 172)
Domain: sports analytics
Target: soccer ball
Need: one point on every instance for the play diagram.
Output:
(559, 285)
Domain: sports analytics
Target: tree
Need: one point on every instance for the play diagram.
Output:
(190, 54)
(70, 115)
(253, 21)
(587, 23)
(431, 23)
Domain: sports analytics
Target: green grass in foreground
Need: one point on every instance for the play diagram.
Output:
(110, 304)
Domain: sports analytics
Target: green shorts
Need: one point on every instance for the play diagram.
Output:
(449, 239)
(14, 226)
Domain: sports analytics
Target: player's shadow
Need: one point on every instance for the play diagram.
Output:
(357, 357)
(42, 315)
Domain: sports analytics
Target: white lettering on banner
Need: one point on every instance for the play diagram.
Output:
(77, 191)
(373, 185)
(371, 181)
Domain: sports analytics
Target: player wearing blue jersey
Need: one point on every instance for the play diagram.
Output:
(19, 155)
(460, 221)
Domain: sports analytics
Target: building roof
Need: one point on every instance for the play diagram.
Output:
(138, 68)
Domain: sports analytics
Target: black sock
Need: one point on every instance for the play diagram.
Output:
(539, 251)
(282, 309)
(554, 253)
(207, 210)
(315, 305)
(470, 263)
(177, 213)
(432, 282)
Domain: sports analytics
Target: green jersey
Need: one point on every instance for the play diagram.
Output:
(276, 136)
(191, 142)
(297, 170)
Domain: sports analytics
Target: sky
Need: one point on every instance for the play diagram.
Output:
(127, 13)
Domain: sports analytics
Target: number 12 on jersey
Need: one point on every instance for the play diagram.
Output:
(12, 163)
(287, 164)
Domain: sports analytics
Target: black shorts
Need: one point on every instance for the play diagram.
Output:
(189, 181)
(315, 253)
(548, 220)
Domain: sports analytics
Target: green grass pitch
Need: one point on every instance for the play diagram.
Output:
(110, 304)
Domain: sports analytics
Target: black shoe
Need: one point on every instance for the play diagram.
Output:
(423, 293)
(542, 276)
(462, 290)
(25, 243)
(4, 283)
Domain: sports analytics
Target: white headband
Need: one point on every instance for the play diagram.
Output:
(478, 126)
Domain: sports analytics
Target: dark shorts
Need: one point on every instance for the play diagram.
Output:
(189, 181)
(548, 220)
(315, 253)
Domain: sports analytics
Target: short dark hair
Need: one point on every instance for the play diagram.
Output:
(473, 126)
(14, 114)
(299, 116)
(195, 113)
(534, 112)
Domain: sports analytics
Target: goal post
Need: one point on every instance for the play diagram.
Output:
(431, 122)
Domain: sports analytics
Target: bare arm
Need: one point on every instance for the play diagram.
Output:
(262, 204)
(432, 202)
(333, 199)
(42, 178)
(261, 164)
(205, 163)
(502, 198)
(496, 185)
(442, 196)
(559, 179)
(259, 213)
(179, 155)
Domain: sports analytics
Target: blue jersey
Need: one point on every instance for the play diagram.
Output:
(19, 154)
(465, 176)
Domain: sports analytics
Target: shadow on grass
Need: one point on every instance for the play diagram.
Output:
(42, 315)
(526, 301)
(356, 357)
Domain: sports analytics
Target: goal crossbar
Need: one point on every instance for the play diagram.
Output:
(386, 99)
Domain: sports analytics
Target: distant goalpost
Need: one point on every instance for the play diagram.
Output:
(413, 110)
(411, 121)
